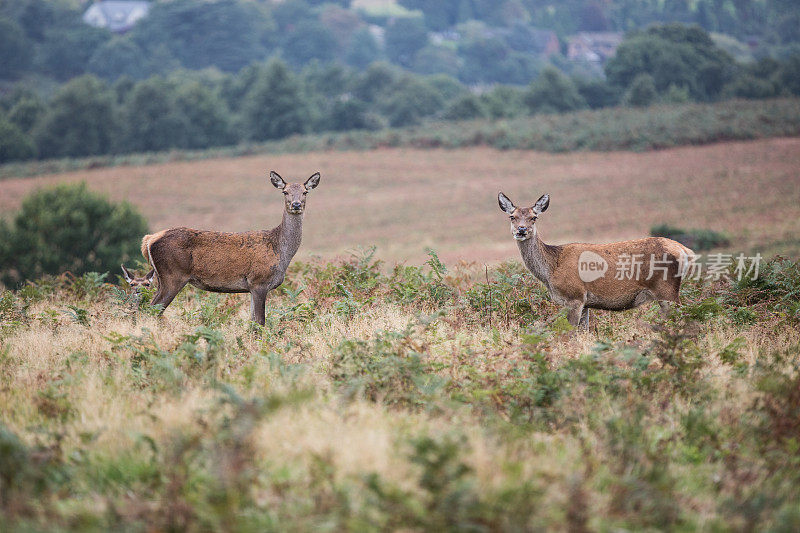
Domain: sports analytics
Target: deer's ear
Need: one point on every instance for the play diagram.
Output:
(127, 274)
(505, 203)
(312, 182)
(541, 204)
(149, 276)
(277, 180)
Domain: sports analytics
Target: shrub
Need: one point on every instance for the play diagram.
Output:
(69, 228)
(696, 239)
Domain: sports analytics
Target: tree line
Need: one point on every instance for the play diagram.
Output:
(196, 109)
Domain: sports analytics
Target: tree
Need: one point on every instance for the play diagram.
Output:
(410, 100)
(15, 50)
(597, 92)
(553, 92)
(672, 54)
(436, 59)
(79, 120)
(374, 82)
(363, 49)
(348, 114)
(467, 107)
(118, 57)
(309, 40)
(226, 34)
(27, 112)
(66, 50)
(205, 116)
(642, 91)
(14, 144)
(404, 37)
(69, 228)
(151, 118)
(505, 102)
(275, 107)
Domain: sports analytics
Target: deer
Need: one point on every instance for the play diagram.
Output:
(579, 276)
(137, 283)
(252, 262)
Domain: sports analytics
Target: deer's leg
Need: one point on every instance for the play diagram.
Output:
(575, 312)
(258, 301)
(167, 292)
(584, 321)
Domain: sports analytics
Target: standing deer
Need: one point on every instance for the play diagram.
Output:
(252, 261)
(578, 276)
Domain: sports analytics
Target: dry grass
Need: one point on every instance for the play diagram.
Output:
(404, 200)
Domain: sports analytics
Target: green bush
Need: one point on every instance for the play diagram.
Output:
(696, 239)
(69, 228)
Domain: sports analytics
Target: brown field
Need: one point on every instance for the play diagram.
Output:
(404, 200)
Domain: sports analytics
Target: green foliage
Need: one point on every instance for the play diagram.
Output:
(152, 119)
(275, 105)
(69, 228)
(67, 48)
(14, 144)
(117, 57)
(309, 40)
(226, 34)
(15, 50)
(696, 239)
(465, 108)
(642, 91)
(404, 37)
(775, 285)
(390, 369)
(674, 55)
(79, 120)
(553, 92)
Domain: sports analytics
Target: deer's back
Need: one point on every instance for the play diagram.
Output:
(652, 263)
(217, 259)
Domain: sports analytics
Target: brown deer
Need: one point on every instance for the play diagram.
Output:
(580, 276)
(252, 261)
(137, 283)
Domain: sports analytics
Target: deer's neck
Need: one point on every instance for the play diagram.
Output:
(538, 257)
(289, 235)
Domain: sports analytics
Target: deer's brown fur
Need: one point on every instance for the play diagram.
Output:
(557, 267)
(252, 261)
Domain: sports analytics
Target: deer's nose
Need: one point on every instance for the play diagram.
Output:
(296, 205)
(522, 229)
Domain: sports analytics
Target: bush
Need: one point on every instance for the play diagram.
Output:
(696, 239)
(69, 228)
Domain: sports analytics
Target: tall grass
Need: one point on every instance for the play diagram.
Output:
(411, 397)
(602, 130)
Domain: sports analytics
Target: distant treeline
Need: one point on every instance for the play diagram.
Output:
(189, 109)
(476, 41)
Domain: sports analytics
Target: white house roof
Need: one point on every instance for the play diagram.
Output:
(116, 15)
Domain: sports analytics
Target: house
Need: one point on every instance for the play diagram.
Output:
(593, 47)
(118, 16)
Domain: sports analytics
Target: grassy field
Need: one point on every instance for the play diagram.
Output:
(423, 393)
(424, 399)
(404, 200)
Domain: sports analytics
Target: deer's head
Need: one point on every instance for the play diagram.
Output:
(294, 194)
(523, 219)
(138, 283)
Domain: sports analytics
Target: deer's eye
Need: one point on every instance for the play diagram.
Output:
(513, 218)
